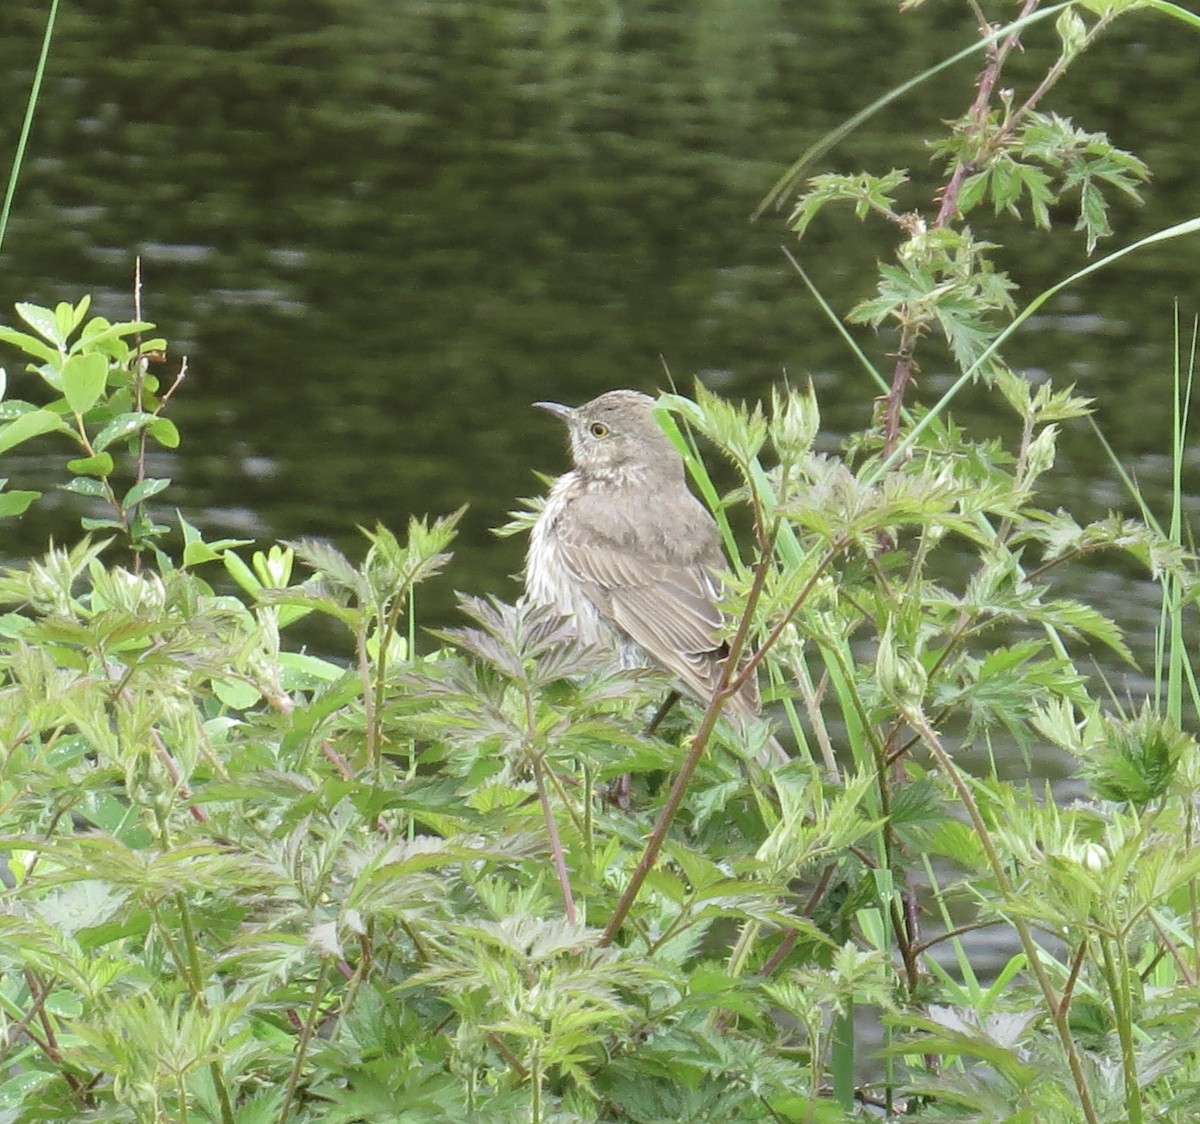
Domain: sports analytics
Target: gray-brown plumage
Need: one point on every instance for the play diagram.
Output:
(629, 554)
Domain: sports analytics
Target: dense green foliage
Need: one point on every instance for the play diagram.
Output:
(460, 880)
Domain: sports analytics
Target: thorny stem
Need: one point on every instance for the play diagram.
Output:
(987, 144)
(664, 709)
(1073, 976)
(902, 375)
(48, 1043)
(997, 55)
(950, 934)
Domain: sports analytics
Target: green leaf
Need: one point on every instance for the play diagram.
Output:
(866, 192)
(14, 408)
(99, 465)
(143, 490)
(194, 553)
(123, 425)
(67, 317)
(85, 486)
(303, 672)
(15, 503)
(42, 321)
(33, 424)
(98, 330)
(164, 432)
(1072, 31)
(83, 380)
(31, 345)
(242, 574)
(236, 694)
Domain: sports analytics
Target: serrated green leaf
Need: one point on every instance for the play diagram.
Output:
(25, 426)
(974, 188)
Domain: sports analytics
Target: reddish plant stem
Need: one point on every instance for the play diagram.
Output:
(789, 941)
(902, 375)
(911, 329)
(725, 688)
(556, 847)
(997, 55)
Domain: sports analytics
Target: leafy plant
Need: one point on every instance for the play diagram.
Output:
(244, 883)
(105, 400)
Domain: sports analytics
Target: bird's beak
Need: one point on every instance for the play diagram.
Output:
(563, 413)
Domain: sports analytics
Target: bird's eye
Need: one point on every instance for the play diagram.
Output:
(598, 429)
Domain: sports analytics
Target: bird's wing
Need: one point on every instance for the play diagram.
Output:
(667, 607)
(665, 604)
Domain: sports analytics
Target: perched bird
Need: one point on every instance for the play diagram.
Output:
(625, 551)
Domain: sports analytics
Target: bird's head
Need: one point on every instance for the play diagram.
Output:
(616, 437)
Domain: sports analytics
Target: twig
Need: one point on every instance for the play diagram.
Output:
(556, 847)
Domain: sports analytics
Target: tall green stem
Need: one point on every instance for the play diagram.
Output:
(26, 126)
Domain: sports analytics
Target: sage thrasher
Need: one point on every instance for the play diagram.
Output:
(626, 552)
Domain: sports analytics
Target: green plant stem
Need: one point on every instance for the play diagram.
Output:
(388, 628)
(194, 973)
(535, 1085)
(371, 730)
(1116, 973)
(306, 1034)
(27, 124)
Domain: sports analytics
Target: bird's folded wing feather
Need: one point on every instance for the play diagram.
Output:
(668, 609)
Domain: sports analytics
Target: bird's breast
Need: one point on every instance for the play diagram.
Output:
(548, 579)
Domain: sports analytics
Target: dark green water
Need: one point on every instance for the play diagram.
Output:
(379, 229)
